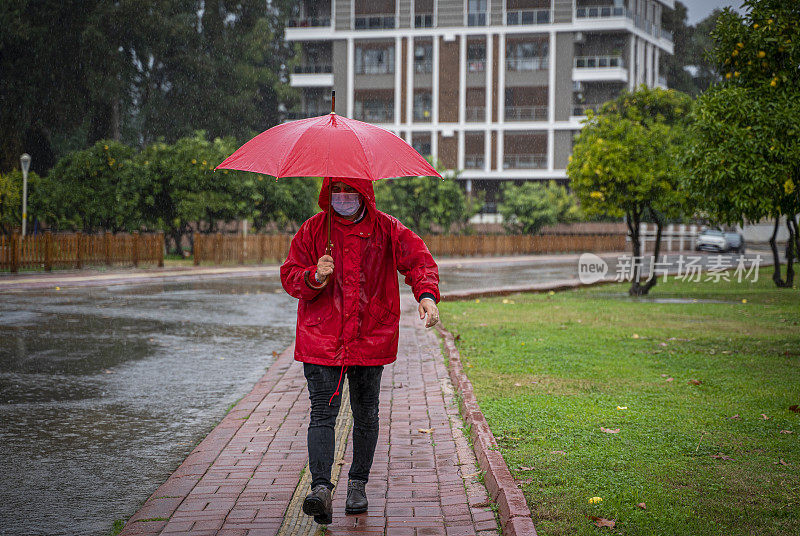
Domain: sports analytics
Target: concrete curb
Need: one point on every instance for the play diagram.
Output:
(515, 517)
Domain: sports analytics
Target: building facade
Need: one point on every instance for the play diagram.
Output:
(496, 88)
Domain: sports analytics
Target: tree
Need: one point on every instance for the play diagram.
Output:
(11, 199)
(624, 164)
(528, 207)
(91, 190)
(427, 204)
(688, 69)
(743, 159)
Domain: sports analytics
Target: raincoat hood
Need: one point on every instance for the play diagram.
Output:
(363, 186)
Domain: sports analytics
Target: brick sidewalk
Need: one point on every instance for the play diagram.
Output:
(243, 478)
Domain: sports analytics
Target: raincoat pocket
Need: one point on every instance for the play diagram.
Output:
(382, 314)
(314, 313)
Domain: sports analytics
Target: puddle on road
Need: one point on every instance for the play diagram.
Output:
(105, 390)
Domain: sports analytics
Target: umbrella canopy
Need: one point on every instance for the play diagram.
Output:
(329, 146)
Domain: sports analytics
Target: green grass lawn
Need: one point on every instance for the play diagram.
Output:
(550, 370)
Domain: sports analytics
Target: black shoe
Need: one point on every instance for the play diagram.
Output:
(356, 497)
(318, 504)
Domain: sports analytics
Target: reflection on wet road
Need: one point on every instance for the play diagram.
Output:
(105, 390)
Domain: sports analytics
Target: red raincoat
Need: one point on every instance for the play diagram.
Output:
(354, 319)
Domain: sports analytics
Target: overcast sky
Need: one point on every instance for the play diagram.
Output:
(699, 9)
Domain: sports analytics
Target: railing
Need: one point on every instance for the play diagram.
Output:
(309, 22)
(76, 250)
(313, 69)
(385, 21)
(526, 113)
(524, 161)
(476, 19)
(474, 161)
(380, 115)
(423, 20)
(229, 248)
(605, 12)
(601, 12)
(598, 62)
(476, 66)
(423, 66)
(528, 16)
(303, 114)
(527, 64)
(375, 68)
(580, 109)
(475, 113)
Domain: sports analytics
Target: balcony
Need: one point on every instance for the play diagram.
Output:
(374, 115)
(423, 20)
(599, 68)
(526, 17)
(474, 161)
(524, 161)
(311, 76)
(308, 22)
(621, 12)
(527, 64)
(475, 114)
(526, 113)
(385, 21)
(579, 110)
(423, 66)
(304, 114)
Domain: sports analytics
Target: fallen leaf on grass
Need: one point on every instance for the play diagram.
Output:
(781, 462)
(694, 382)
(764, 417)
(564, 453)
(635, 336)
(622, 407)
(721, 456)
(524, 481)
(735, 417)
(525, 468)
(609, 430)
(669, 379)
(483, 325)
(517, 384)
(425, 430)
(603, 522)
(795, 408)
(595, 500)
(484, 504)
(786, 431)
(642, 506)
(663, 375)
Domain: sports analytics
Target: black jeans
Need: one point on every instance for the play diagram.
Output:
(365, 384)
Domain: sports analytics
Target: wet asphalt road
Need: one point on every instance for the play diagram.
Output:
(105, 390)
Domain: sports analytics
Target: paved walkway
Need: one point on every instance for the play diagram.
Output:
(249, 475)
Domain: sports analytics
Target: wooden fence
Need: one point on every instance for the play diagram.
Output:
(77, 250)
(227, 248)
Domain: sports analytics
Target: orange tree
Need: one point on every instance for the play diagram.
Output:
(743, 158)
(624, 163)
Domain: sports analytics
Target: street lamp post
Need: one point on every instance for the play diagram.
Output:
(25, 160)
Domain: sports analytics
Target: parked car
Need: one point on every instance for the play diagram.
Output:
(735, 241)
(711, 240)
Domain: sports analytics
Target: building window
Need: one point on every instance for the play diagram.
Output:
(476, 12)
(421, 143)
(423, 58)
(374, 60)
(423, 104)
(476, 57)
(527, 56)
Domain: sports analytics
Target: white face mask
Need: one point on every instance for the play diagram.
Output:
(345, 203)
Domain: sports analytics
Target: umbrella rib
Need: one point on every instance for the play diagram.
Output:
(363, 150)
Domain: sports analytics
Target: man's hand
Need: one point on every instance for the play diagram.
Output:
(324, 268)
(428, 306)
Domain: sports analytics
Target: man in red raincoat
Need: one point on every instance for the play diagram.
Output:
(350, 324)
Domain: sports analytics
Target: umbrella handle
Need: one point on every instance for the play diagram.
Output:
(328, 251)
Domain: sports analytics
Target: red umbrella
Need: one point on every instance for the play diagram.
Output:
(329, 146)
